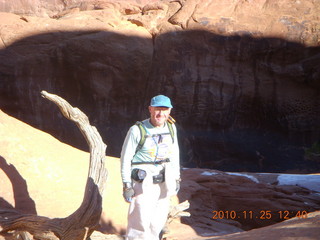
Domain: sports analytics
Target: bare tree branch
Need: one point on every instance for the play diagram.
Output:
(80, 224)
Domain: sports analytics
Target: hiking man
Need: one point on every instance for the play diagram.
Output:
(150, 171)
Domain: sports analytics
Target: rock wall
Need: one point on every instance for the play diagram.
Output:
(244, 76)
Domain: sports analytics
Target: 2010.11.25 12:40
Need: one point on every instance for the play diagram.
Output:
(262, 214)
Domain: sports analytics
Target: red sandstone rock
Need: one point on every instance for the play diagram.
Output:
(243, 74)
(40, 175)
(241, 69)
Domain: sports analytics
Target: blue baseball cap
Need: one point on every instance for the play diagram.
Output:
(161, 101)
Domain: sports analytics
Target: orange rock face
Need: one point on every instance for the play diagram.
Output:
(243, 75)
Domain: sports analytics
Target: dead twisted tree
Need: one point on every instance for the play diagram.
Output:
(80, 224)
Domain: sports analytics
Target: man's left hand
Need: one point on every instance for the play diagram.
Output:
(177, 185)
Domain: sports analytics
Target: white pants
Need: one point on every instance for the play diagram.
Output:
(148, 211)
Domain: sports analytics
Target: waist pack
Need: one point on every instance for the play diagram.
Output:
(160, 178)
(139, 175)
(166, 160)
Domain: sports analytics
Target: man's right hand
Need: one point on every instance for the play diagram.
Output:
(128, 192)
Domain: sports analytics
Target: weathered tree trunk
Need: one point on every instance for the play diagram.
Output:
(85, 219)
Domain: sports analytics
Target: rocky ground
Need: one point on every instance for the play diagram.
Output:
(41, 175)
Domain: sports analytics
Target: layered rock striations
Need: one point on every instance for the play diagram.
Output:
(243, 75)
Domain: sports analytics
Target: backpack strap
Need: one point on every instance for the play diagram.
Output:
(143, 133)
(171, 130)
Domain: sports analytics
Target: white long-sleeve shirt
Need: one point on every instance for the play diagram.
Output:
(158, 145)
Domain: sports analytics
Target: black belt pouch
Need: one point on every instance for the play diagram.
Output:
(160, 178)
(138, 174)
